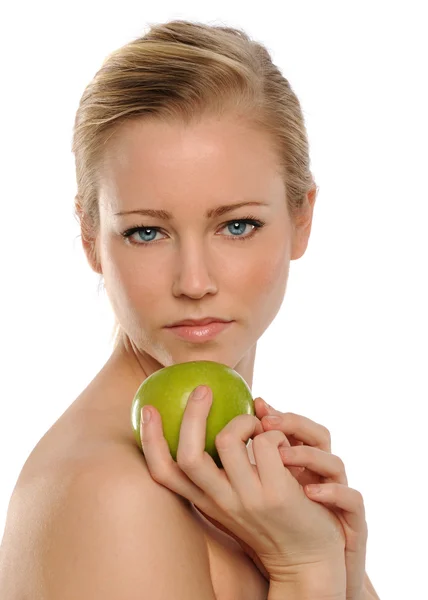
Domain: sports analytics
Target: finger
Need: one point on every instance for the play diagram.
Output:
(295, 471)
(162, 467)
(263, 409)
(348, 500)
(238, 476)
(231, 444)
(301, 428)
(268, 460)
(193, 429)
(192, 458)
(320, 462)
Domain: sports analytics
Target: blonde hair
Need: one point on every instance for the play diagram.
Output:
(183, 70)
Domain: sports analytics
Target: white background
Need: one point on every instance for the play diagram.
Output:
(349, 346)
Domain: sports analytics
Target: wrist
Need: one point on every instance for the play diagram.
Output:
(323, 582)
(302, 591)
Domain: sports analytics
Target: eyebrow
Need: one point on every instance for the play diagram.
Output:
(213, 212)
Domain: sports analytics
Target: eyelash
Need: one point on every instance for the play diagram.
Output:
(249, 220)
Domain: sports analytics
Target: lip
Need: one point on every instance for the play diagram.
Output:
(200, 333)
(198, 322)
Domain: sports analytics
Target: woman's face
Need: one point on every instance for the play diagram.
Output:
(194, 265)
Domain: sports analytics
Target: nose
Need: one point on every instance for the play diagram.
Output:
(193, 275)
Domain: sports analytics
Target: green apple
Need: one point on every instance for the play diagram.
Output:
(168, 390)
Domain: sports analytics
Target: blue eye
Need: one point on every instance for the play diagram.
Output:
(236, 225)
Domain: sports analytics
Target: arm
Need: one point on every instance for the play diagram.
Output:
(323, 582)
(369, 591)
(315, 588)
(113, 535)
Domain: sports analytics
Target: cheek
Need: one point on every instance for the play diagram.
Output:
(266, 274)
(260, 277)
(275, 272)
(272, 282)
(132, 283)
(141, 284)
(267, 284)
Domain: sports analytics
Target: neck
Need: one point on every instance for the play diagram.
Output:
(140, 364)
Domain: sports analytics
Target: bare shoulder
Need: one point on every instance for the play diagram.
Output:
(103, 529)
(94, 522)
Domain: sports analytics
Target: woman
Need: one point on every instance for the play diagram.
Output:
(174, 129)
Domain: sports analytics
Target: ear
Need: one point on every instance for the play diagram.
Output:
(302, 225)
(89, 240)
(91, 251)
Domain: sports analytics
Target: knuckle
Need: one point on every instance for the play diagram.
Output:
(275, 502)
(365, 532)
(159, 475)
(260, 440)
(326, 435)
(339, 468)
(233, 430)
(360, 501)
(252, 504)
(223, 440)
(187, 461)
(360, 537)
(268, 438)
(290, 417)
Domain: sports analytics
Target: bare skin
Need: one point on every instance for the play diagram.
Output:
(194, 267)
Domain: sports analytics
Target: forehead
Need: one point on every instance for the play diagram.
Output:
(219, 158)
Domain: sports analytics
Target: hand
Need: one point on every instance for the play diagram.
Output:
(262, 504)
(310, 461)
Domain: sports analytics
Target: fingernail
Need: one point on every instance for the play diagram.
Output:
(269, 408)
(200, 392)
(313, 489)
(146, 415)
(272, 419)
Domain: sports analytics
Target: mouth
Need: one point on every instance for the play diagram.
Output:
(199, 322)
(200, 333)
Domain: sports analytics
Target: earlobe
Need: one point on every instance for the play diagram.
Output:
(89, 247)
(89, 242)
(300, 243)
(303, 225)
